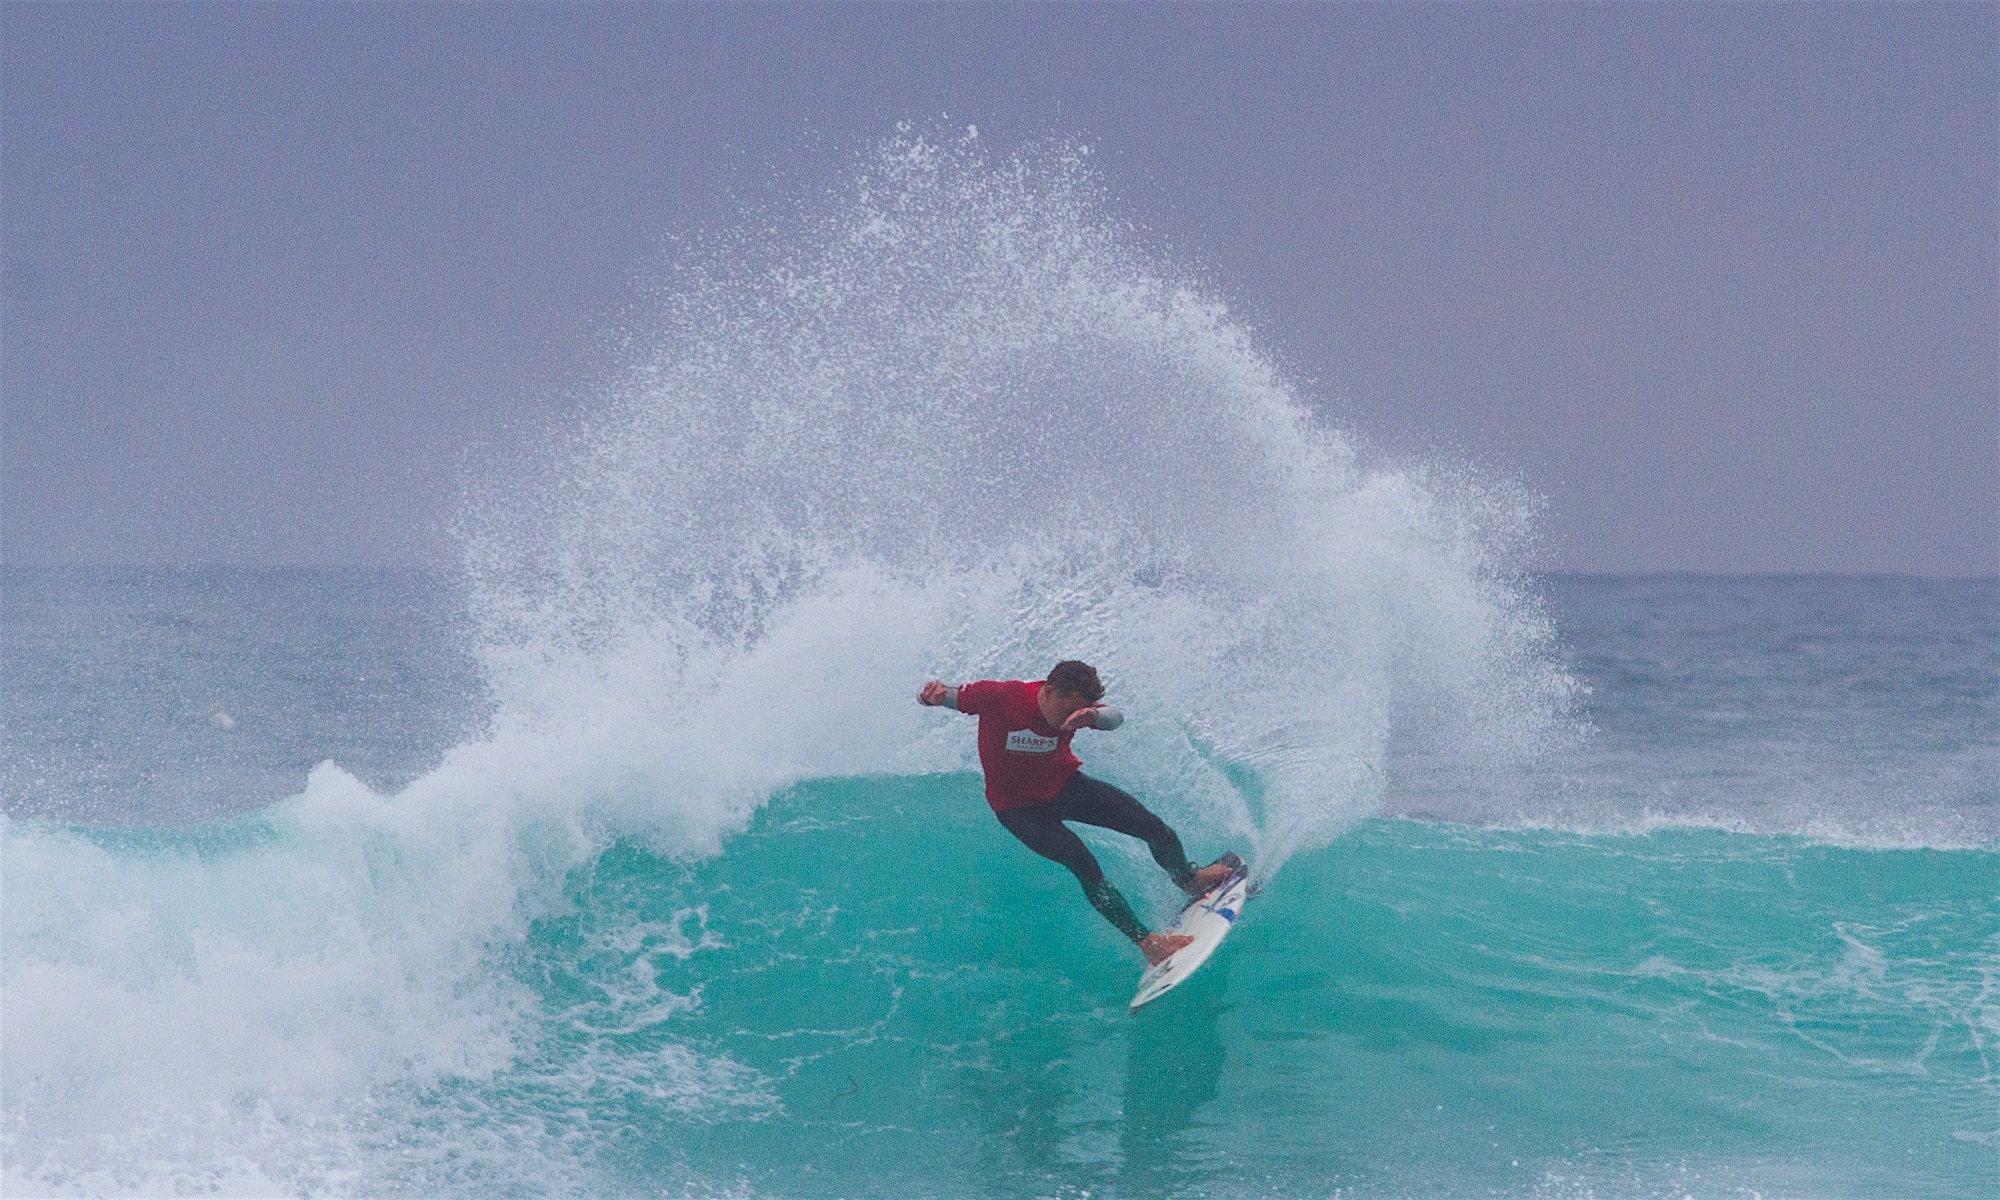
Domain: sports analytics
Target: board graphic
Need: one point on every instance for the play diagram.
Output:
(1207, 920)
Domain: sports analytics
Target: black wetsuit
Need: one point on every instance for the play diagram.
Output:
(1094, 802)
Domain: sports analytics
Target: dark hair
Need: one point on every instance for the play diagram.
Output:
(1078, 677)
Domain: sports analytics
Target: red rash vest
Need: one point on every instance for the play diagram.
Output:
(1026, 759)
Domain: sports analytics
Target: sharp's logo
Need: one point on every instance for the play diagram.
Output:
(1027, 741)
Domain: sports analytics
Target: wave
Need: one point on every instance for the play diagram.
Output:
(952, 420)
(874, 987)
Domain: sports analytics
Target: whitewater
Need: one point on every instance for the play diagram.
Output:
(620, 860)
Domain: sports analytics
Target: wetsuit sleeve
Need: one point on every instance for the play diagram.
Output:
(974, 697)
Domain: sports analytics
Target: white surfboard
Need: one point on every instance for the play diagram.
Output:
(1207, 920)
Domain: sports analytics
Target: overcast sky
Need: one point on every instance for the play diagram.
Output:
(1720, 282)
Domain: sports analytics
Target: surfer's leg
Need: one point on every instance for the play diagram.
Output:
(1095, 802)
(1042, 831)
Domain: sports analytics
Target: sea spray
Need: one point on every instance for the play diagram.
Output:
(955, 418)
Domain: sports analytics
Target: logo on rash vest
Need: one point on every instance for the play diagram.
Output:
(1027, 741)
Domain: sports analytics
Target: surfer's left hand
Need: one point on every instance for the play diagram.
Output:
(1082, 718)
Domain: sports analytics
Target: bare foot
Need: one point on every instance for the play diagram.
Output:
(1206, 878)
(1159, 947)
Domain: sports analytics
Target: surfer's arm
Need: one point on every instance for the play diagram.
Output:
(1096, 716)
(938, 695)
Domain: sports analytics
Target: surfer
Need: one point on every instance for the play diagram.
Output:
(1035, 783)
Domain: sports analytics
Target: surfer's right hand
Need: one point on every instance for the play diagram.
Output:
(933, 694)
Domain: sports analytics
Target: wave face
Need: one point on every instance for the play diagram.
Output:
(875, 991)
(899, 1004)
(703, 903)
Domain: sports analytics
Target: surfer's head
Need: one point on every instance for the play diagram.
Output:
(1078, 679)
(1072, 685)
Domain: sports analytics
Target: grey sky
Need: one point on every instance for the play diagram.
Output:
(1719, 281)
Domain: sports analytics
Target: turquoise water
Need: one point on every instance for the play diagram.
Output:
(875, 992)
(618, 859)
(1416, 1010)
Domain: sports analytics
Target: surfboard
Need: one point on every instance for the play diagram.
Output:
(1207, 920)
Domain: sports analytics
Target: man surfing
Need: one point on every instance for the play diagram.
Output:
(1035, 783)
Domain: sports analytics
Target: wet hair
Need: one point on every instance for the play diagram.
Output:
(1077, 677)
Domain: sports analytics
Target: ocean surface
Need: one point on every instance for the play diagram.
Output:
(618, 860)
